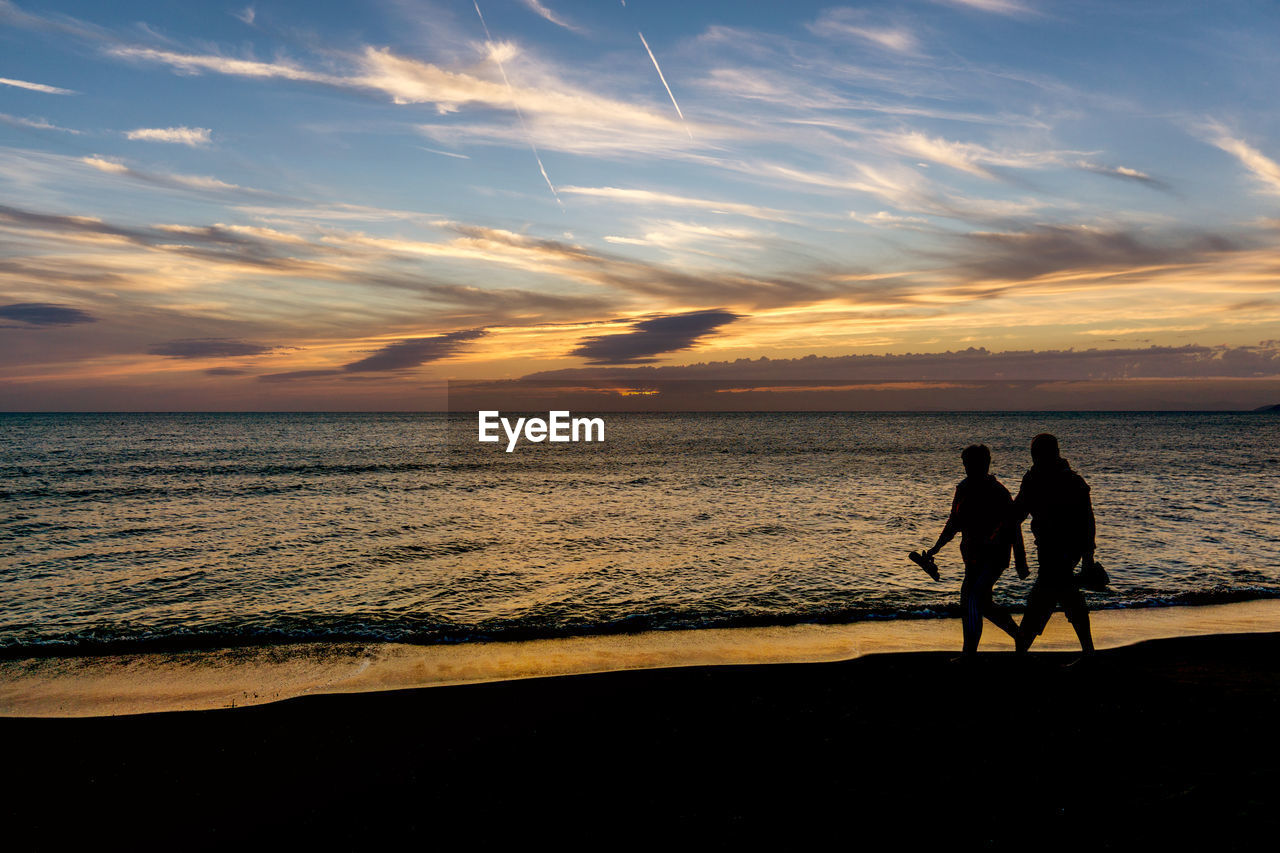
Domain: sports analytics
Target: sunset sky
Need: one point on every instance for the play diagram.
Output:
(292, 205)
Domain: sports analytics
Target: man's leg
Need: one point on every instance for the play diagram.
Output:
(1077, 612)
(1040, 603)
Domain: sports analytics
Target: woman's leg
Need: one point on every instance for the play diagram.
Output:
(1000, 616)
(970, 611)
(983, 567)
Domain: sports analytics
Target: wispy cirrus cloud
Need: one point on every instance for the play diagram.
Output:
(971, 157)
(191, 63)
(1123, 173)
(901, 186)
(566, 261)
(122, 256)
(192, 136)
(773, 87)
(35, 124)
(650, 198)
(168, 179)
(998, 7)
(885, 219)
(541, 10)
(411, 81)
(454, 154)
(554, 113)
(669, 233)
(35, 87)
(1264, 170)
(63, 25)
(585, 135)
(856, 24)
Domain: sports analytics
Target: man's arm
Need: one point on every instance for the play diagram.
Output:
(1012, 534)
(1021, 506)
(1088, 526)
(1010, 527)
(1020, 552)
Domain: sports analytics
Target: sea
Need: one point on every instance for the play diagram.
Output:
(186, 531)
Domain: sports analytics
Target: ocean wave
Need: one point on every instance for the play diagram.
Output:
(122, 639)
(1219, 594)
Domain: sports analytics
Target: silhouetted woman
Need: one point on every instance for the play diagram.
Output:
(980, 507)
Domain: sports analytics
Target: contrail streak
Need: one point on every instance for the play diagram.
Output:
(663, 78)
(512, 92)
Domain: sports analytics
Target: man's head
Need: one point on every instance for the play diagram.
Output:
(1044, 448)
(976, 459)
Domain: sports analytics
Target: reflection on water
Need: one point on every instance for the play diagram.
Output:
(209, 529)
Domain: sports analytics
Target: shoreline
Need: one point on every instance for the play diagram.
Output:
(159, 682)
(1165, 741)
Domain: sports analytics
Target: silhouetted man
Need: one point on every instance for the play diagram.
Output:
(1057, 499)
(981, 506)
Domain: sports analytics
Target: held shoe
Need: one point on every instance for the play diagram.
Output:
(926, 562)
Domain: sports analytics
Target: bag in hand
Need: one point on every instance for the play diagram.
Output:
(1093, 577)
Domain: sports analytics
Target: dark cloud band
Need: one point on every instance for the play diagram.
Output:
(45, 314)
(414, 352)
(651, 338)
(209, 348)
(1156, 362)
(401, 355)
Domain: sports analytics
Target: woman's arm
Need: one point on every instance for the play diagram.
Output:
(952, 527)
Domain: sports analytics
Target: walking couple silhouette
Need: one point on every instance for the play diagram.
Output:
(989, 522)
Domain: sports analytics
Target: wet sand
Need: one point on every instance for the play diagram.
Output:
(226, 678)
(1167, 742)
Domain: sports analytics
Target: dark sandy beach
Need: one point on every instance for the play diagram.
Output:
(1169, 741)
